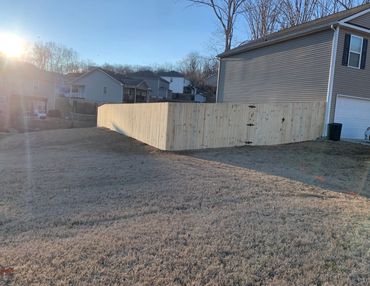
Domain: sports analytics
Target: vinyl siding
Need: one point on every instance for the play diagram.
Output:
(159, 88)
(363, 21)
(350, 81)
(94, 84)
(176, 83)
(295, 70)
(20, 81)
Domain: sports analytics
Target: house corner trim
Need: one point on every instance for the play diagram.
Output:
(218, 80)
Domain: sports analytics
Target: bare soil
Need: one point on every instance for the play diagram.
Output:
(89, 206)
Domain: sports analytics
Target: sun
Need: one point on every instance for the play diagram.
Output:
(11, 45)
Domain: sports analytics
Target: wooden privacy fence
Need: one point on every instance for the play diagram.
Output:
(187, 126)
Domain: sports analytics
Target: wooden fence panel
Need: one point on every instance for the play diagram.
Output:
(144, 122)
(186, 126)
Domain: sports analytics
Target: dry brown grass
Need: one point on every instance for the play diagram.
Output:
(85, 207)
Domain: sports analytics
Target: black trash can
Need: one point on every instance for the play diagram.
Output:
(334, 131)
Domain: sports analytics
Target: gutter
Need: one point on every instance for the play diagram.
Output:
(329, 94)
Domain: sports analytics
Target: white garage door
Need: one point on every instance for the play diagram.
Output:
(354, 114)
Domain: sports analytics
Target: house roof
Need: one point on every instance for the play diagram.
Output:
(16, 68)
(323, 23)
(171, 74)
(146, 75)
(121, 78)
(72, 76)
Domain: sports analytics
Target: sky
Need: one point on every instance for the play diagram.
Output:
(132, 32)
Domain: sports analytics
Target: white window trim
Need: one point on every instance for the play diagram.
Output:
(359, 53)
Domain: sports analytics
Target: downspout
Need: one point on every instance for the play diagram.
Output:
(329, 95)
(218, 79)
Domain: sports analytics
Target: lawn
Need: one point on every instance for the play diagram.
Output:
(89, 206)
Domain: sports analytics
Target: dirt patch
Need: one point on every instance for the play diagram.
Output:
(88, 206)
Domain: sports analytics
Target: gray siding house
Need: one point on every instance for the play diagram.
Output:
(159, 87)
(104, 86)
(25, 90)
(325, 59)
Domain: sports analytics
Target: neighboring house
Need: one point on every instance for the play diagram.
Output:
(159, 87)
(325, 59)
(103, 86)
(178, 82)
(26, 89)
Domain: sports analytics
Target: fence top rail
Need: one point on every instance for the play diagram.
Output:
(209, 103)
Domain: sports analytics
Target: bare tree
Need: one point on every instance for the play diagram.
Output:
(53, 57)
(191, 67)
(345, 4)
(262, 17)
(197, 68)
(295, 12)
(226, 12)
(117, 68)
(40, 55)
(348, 4)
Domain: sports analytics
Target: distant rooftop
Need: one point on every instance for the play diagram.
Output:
(20, 68)
(146, 75)
(123, 78)
(72, 76)
(171, 74)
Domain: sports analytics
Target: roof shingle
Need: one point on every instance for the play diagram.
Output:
(296, 31)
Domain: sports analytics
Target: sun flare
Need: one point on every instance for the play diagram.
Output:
(11, 45)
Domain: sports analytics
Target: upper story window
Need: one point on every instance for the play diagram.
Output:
(355, 52)
(105, 90)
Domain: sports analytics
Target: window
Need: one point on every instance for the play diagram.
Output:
(105, 90)
(355, 52)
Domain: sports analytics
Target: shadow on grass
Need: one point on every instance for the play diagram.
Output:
(338, 166)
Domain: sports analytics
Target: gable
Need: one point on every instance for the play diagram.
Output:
(362, 21)
(143, 85)
(96, 78)
(96, 74)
